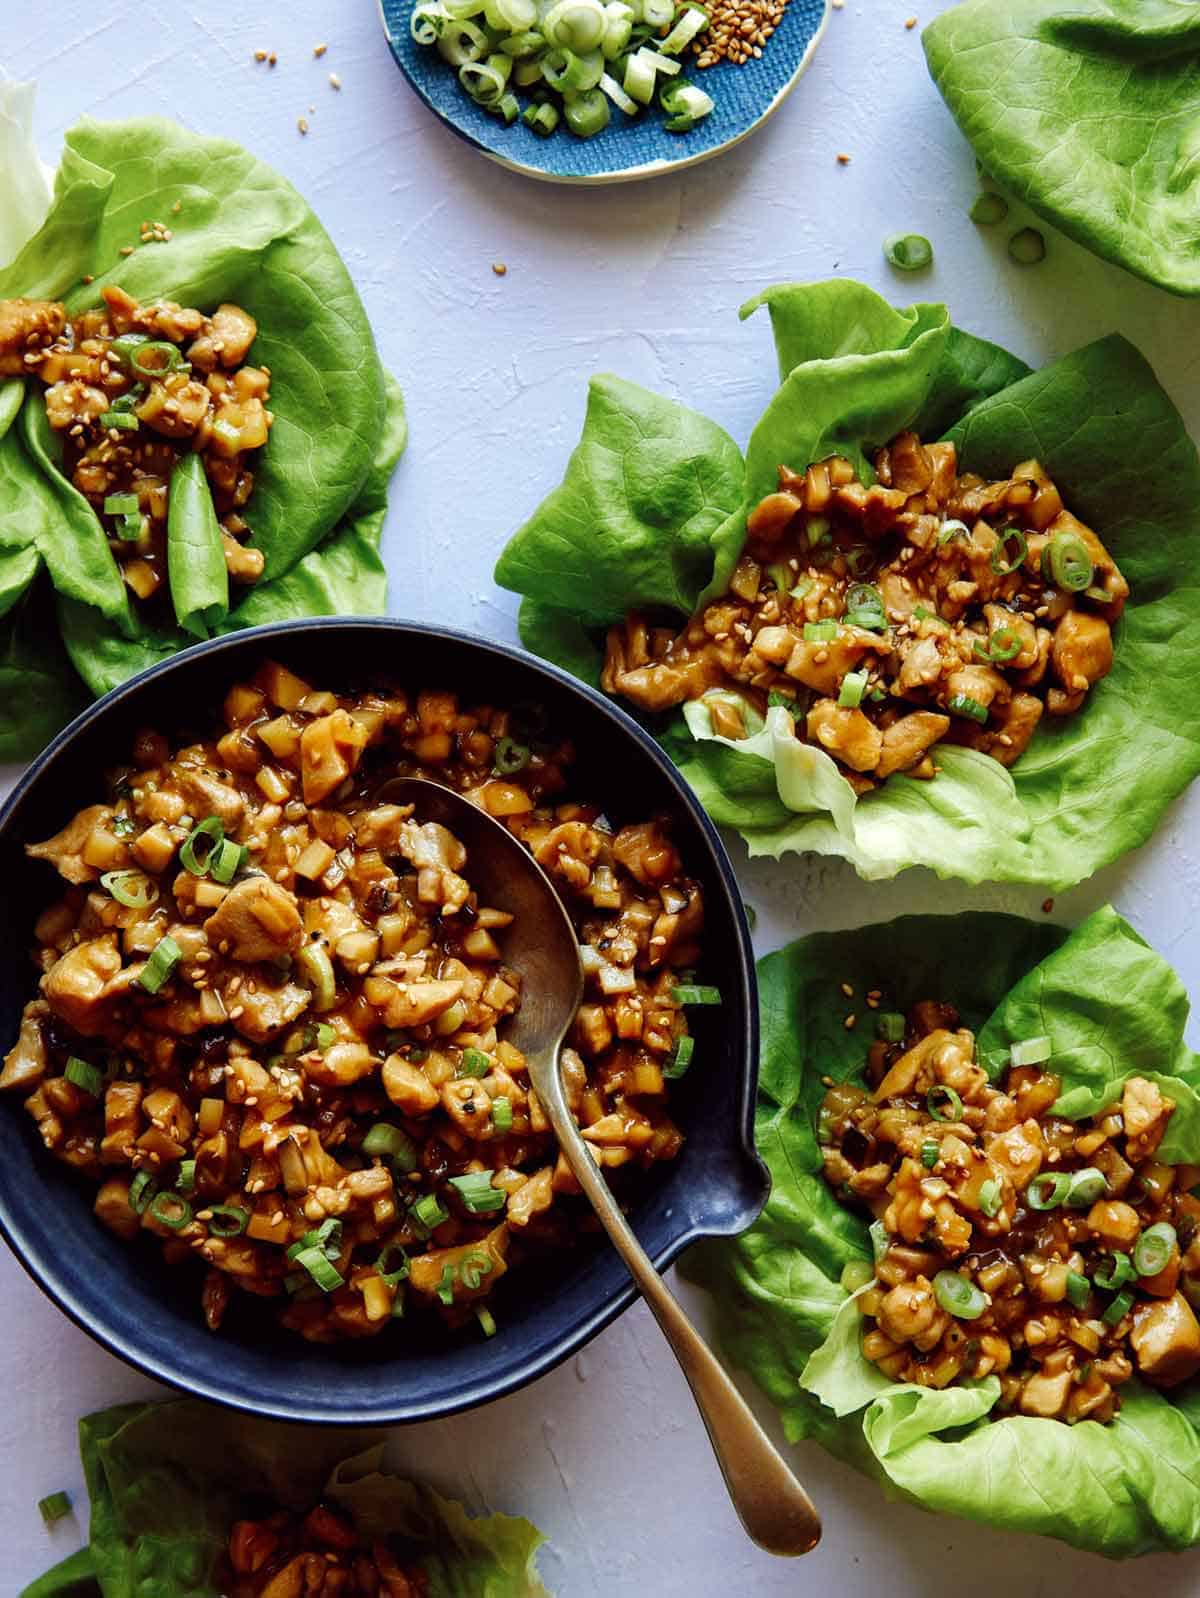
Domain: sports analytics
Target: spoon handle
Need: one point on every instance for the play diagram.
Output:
(772, 1505)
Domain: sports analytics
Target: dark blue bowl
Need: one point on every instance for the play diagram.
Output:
(147, 1313)
(745, 97)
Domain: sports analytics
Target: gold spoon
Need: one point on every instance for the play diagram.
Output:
(541, 944)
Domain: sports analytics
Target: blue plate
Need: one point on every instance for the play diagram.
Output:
(149, 1314)
(627, 149)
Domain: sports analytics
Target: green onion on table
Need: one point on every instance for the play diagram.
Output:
(573, 60)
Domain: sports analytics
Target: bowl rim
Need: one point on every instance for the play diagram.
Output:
(56, 1282)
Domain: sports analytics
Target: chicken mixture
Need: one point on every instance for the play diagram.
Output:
(270, 1012)
(319, 1555)
(928, 607)
(1059, 1256)
(132, 389)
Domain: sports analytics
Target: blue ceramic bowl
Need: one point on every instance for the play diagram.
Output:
(149, 1314)
(745, 97)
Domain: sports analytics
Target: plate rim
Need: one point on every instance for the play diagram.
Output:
(636, 174)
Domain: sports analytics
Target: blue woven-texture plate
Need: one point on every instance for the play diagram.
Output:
(628, 148)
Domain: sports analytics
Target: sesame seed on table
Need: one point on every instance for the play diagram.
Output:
(493, 298)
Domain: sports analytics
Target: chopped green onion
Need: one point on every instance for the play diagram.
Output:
(1001, 564)
(85, 1076)
(681, 1058)
(891, 1026)
(427, 1212)
(210, 832)
(964, 705)
(398, 1303)
(319, 1036)
(781, 701)
(958, 1296)
(226, 860)
(473, 1269)
(123, 421)
(543, 119)
(142, 1189)
(185, 1182)
(1114, 1272)
(122, 826)
(685, 30)
(392, 1264)
(1047, 1190)
(154, 358)
(227, 1220)
(524, 46)
(427, 22)
(940, 1095)
(121, 349)
(1004, 645)
(929, 1153)
(856, 1274)
(474, 1062)
(880, 1242)
(570, 73)
(854, 685)
(160, 967)
(1067, 562)
(989, 209)
(908, 252)
(170, 1210)
(1153, 1250)
(327, 1237)
(445, 1288)
(508, 108)
(575, 24)
(55, 1507)
(486, 1319)
(640, 77)
(1085, 1187)
(1031, 1051)
(510, 757)
(953, 528)
(1118, 1309)
(502, 1114)
(131, 888)
(609, 86)
(1078, 1289)
(990, 1197)
(1098, 596)
(461, 41)
(1027, 247)
(820, 632)
(477, 1193)
(322, 1270)
(121, 505)
(690, 993)
(385, 1140)
(684, 102)
(316, 970)
(801, 589)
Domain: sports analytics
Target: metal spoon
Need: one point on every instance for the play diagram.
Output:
(541, 944)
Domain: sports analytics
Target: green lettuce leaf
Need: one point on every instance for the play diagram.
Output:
(1089, 111)
(195, 554)
(240, 233)
(166, 1482)
(1111, 1008)
(26, 191)
(854, 371)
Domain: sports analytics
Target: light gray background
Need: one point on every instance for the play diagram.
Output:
(606, 1454)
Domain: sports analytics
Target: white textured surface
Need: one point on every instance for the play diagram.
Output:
(606, 1454)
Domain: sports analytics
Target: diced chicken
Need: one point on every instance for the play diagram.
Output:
(469, 1106)
(1082, 651)
(25, 326)
(1115, 1223)
(1045, 1395)
(257, 920)
(225, 341)
(26, 1064)
(821, 664)
(647, 853)
(910, 1314)
(1166, 1341)
(922, 665)
(846, 734)
(1020, 1151)
(65, 850)
(407, 1086)
(438, 857)
(206, 795)
(410, 1004)
(533, 1197)
(907, 740)
(79, 986)
(1145, 1113)
(472, 1269)
(330, 748)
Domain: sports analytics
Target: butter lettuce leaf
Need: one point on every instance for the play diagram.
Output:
(239, 233)
(1089, 111)
(1112, 1008)
(854, 371)
(167, 1481)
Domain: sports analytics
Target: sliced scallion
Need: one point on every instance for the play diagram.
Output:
(320, 1268)
(85, 1076)
(943, 1103)
(477, 1193)
(908, 252)
(170, 1210)
(1067, 562)
(1002, 565)
(959, 1296)
(693, 993)
(681, 1058)
(196, 851)
(1085, 1187)
(820, 632)
(1078, 1290)
(1152, 1251)
(1118, 1309)
(964, 705)
(1031, 1051)
(54, 1507)
(1047, 1190)
(131, 888)
(502, 1115)
(227, 1220)
(474, 1062)
(854, 685)
(160, 967)
(1114, 1272)
(890, 1025)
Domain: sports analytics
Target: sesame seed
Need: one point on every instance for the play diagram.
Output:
(1047, 906)
(302, 124)
(272, 58)
(849, 1022)
(126, 249)
(848, 990)
(334, 81)
(910, 23)
(260, 55)
(843, 159)
(319, 50)
(499, 268)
